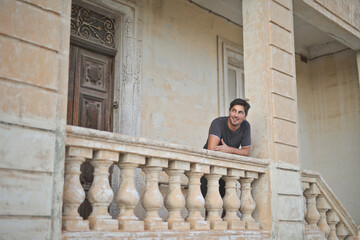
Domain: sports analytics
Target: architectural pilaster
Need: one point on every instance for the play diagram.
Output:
(269, 65)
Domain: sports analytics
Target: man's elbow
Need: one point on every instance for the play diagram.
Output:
(247, 151)
(211, 147)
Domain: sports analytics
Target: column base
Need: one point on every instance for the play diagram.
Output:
(156, 225)
(311, 227)
(179, 225)
(75, 225)
(103, 224)
(235, 224)
(218, 225)
(131, 225)
(252, 225)
(199, 225)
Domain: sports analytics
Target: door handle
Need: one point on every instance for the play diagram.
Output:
(116, 105)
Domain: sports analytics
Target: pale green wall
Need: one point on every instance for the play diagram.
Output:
(329, 122)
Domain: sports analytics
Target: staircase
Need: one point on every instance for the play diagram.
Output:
(324, 214)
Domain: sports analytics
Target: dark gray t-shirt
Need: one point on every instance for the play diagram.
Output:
(241, 137)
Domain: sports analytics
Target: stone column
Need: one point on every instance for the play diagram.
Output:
(213, 200)
(100, 193)
(74, 193)
(194, 200)
(269, 66)
(305, 186)
(323, 207)
(175, 200)
(312, 215)
(248, 204)
(231, 199)
(341, 231)
(333, 219)
(127, 196)
(152, 199)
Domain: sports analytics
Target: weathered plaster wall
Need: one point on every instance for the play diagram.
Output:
(180, 92)
(329, 116)
(34, 43)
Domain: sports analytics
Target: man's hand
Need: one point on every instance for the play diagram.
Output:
(223, 148)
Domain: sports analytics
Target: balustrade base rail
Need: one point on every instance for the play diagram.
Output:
(314, 234)
(162, 235)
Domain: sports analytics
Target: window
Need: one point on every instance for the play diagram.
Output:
(231, 74)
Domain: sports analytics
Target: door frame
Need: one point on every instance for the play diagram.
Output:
(127, 69)
(127, 61)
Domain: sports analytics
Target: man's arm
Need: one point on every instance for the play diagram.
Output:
(213, 142)
(244, 151)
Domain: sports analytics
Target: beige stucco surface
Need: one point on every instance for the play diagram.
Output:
(329, 120)
(180, 92)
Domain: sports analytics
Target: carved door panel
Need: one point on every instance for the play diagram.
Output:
(90, 89)
(90, 100)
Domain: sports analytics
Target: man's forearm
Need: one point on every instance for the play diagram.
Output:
(225, 148)
(242, 151)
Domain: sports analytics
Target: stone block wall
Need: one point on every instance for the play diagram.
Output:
(34, 43)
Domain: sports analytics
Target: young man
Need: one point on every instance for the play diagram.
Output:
(227, 134)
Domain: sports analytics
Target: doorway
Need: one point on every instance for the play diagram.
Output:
(91, 80)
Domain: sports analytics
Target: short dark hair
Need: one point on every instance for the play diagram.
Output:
(242, 102)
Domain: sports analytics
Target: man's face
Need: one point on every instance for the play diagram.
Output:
(237, 115)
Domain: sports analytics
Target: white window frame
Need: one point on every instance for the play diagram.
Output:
(239, 91)
(230, 55)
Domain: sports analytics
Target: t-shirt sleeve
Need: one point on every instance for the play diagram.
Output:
(246, 140)
(215, 128)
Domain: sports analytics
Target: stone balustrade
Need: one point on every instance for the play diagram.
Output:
(324, 212)
(234, 212)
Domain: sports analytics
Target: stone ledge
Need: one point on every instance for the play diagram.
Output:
(166, 234)
(95, 139)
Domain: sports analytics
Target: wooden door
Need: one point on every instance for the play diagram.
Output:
(90, 94)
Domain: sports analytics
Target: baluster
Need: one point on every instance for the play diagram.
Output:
(152, 199)
(74, 193)
(194, 200)
(100, 193)
(231, 200)
(333, 219)
(175, 200)
(323, 207)
(248, 204)
(341, 231)
(213, 200)
(305, 186)
(312, 215)
(127, 196)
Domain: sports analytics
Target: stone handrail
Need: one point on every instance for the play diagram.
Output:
(103, 149)
(324, 211)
